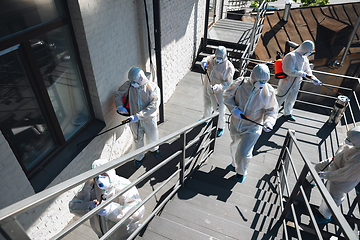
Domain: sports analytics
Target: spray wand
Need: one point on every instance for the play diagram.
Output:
(123, 122)
(217, 102)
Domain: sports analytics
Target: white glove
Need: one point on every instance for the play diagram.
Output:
(134, 118)
(267, 127)
(237, 113)
(316, 81)
(204, 65)
(104, 211)
(122, 110)
(303, 74)
(216, 87)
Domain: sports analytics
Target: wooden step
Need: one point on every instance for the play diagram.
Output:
(233, 212)
(168, 229)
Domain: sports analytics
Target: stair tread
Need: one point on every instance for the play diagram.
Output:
(263, 207)
(232, 212)
(173, 230)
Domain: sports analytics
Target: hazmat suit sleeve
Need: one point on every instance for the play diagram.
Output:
(228, 76)
(80, 204)
(345, 167)
(123, 91)
(229, 95)
(153, 92)
(288, 64)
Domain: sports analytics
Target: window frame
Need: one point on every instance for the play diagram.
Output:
(38, 85)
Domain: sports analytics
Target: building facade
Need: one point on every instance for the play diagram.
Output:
(61, 62)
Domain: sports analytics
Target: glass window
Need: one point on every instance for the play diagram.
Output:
(56, 59)
(212, 14)
(21, 119)
(18, 15)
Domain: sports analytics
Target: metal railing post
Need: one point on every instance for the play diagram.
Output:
(11, 229)
(213, 134)
(182, 158)
(294, 193)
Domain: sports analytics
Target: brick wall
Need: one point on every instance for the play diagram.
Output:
(112, 37)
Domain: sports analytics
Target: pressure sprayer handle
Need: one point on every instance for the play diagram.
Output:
(123, 122)
(217, 102)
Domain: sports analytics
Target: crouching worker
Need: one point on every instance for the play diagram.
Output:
(342, 172)
(249, 99)
(144, 101)
(100, 189)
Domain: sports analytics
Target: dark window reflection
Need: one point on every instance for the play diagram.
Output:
(20, 117)
(18, 15)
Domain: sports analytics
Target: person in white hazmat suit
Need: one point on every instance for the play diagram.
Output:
(144, 102)
(221, 72)
(100, 189)
(254, 98)
(342, 173)
(296, 66)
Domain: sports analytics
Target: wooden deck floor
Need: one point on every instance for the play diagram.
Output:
(212, 188)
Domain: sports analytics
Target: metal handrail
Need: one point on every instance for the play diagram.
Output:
(282, 172)
(10, 226)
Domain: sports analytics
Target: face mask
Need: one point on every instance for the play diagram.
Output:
(103, 182)
(347, 141)
(259, 85)
(219, 60)
(135, 84)
(307, 54)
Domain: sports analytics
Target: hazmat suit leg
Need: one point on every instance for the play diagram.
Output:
(288, 100)
(241, 148)
(151, 132)
(337, 194)
(210, 104)
(207, 103)
(221, 109)
(138, 134)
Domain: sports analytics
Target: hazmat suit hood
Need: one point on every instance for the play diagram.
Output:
(111, 172)
(306, 47)
(353, 135)
(138, 76)
(221, 53)
(260, 73)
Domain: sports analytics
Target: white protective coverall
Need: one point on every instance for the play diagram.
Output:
(221, 74)
(294, 64)
(144, 102)
(259, 105)
(343, 173)
(82, 203)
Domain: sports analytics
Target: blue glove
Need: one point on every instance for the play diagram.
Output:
(122, 110)
(316, 81)
(204, 65)
(322, 175)
(93, 204)
(237, 113)
(216, 87)
(134, 118)
(104, 211)
(303, 74)
(267, 127)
